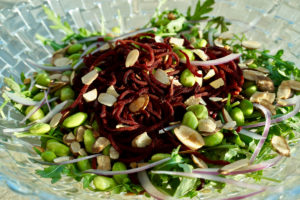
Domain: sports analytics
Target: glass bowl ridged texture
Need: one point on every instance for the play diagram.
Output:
(275, 23)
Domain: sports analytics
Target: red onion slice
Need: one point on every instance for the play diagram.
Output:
(149, 187)
(245, 196)
(91, 47)
(68, 161)
(295, 102)
(213, 178)
(218, 61)
(267, 114)
(129, 171)
(48, 68)
(251, 134)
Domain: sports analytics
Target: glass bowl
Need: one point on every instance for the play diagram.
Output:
(275, 23)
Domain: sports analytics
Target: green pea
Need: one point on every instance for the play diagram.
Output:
(122, 178)
(250, 90)
(238, 116)
(42, 79)
(89, 140)
(48, 156)
(247, 107)
(66, 94)
(104, 183)
(190, 120)
(200, 111)
(58, 148)
(248, 84)
(75, 56)
(160, 156)
(252, 66)
(188, 52)
(67, 73)
(187, 78)
(200, 43)
(106, 150)
(39, 114)
(214, 139)
(83, 164)
(116, 30)
(74, 48)
(40, 129)
(75, 120)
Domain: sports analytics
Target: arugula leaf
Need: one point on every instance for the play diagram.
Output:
(55, 46)
(200, 10)
(54, 172)
(87, 179)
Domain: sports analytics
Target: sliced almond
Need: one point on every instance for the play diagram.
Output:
(162, 76)
(63, 61)
(284, 90)
(207, 125)
(90, 95)
(200, 163)
(268, 105)
(158, 39)
(219, 42)
(262, 69)
(226, 35)
(55, 120)
(265, 84)
(176, 41)
(121, 126)
(280, 145)
(295, 85)
(250, 44)
(62, 159)
(112, 91)
(139, 104)
(215, 99)
(252, 75)
(113, 153)
(72, 76)
(141, 140)
(104, 47)
(79, 133)
(75, 148)
(226, 115)
(234, 166)
(229, 125)
(249, 61)
(65, 78)
(217, 83)
(55, 56)
(82, 152)
(176, 82)
(219, 124)
(132, 57)
(89, 77)
(100, 144)
(107, 99)
(69, 138)
(103, 163)
(193, 100)
(189, 137)
(211, 73)
(142, 164)
(201, 54)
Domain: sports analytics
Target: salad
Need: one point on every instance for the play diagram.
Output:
(168, 110)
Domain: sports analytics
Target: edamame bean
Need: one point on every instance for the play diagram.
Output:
(122, 178)
(74, 48)
(247, 107)
(252, 66)
(160, 156)
(39, 114)
(75, 120)
(40, 129)
(200, 111)
(200, 43)
(75, 56)
(250, 90)
(83, 164)
(106, 150)
(66, 93)
(67, 73)
(187, 78)
(89, 140)
(42, 79)
(39, 96)
(188, 52)
(104, 183)
(214, 139)
(248, 84)
(190, 120)
(48, 156)
(238, 116)
(58, 148)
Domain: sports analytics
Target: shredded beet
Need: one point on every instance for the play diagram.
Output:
(165, 104)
